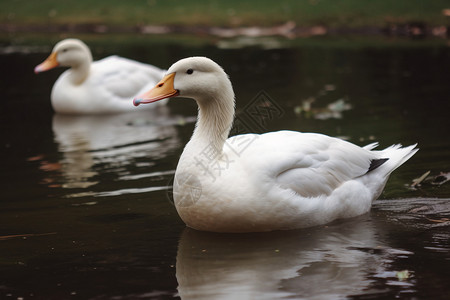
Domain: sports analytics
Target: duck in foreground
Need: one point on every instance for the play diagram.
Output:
(273, 181)
(99, 87)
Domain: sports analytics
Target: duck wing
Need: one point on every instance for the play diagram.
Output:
(309, 164)
(124, 78)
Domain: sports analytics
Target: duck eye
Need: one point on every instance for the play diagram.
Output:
(64, 50)
(189, 71)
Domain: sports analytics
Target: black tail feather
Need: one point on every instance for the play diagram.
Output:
(376, 163)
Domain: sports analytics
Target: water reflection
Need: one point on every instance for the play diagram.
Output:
(330, 262)
(93, 146)
(428, 216)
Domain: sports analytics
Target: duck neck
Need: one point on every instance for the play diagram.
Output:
(80, 71)
(215, 118)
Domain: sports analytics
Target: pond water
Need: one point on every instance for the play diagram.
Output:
(86, 210)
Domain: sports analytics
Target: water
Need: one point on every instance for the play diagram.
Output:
(86, 212)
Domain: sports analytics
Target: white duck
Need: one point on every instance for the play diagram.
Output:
(277, 180)
(99, 87)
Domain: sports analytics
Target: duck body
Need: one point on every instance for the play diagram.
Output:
(96, 87)
(273, 181)
(279, 180)
(112, 81)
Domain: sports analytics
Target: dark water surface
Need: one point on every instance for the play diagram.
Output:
(85, 209)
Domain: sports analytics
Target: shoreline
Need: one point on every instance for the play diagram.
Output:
(288, 30)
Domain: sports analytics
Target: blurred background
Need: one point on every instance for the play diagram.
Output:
(85, 203)
(137, 15)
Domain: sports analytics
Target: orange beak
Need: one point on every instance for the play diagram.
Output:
(47, 64)
(163, 89)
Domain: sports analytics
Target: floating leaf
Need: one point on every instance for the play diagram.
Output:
(443, 220)
(418, 181)
(441, 178)
(403, 275)
(36, 158)
(438, 180)
(339, 106)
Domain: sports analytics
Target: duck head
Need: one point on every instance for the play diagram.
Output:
(206, 82)
(199, 78)
(67, 53)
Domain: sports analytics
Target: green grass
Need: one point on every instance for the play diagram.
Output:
(332, 13)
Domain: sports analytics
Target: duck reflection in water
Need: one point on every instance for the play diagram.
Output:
(92, 146)
(331, 262)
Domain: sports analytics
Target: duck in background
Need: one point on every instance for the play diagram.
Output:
(273, 181)
(96, 87)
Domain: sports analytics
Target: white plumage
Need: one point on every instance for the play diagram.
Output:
(272, 181)
(99, 87)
